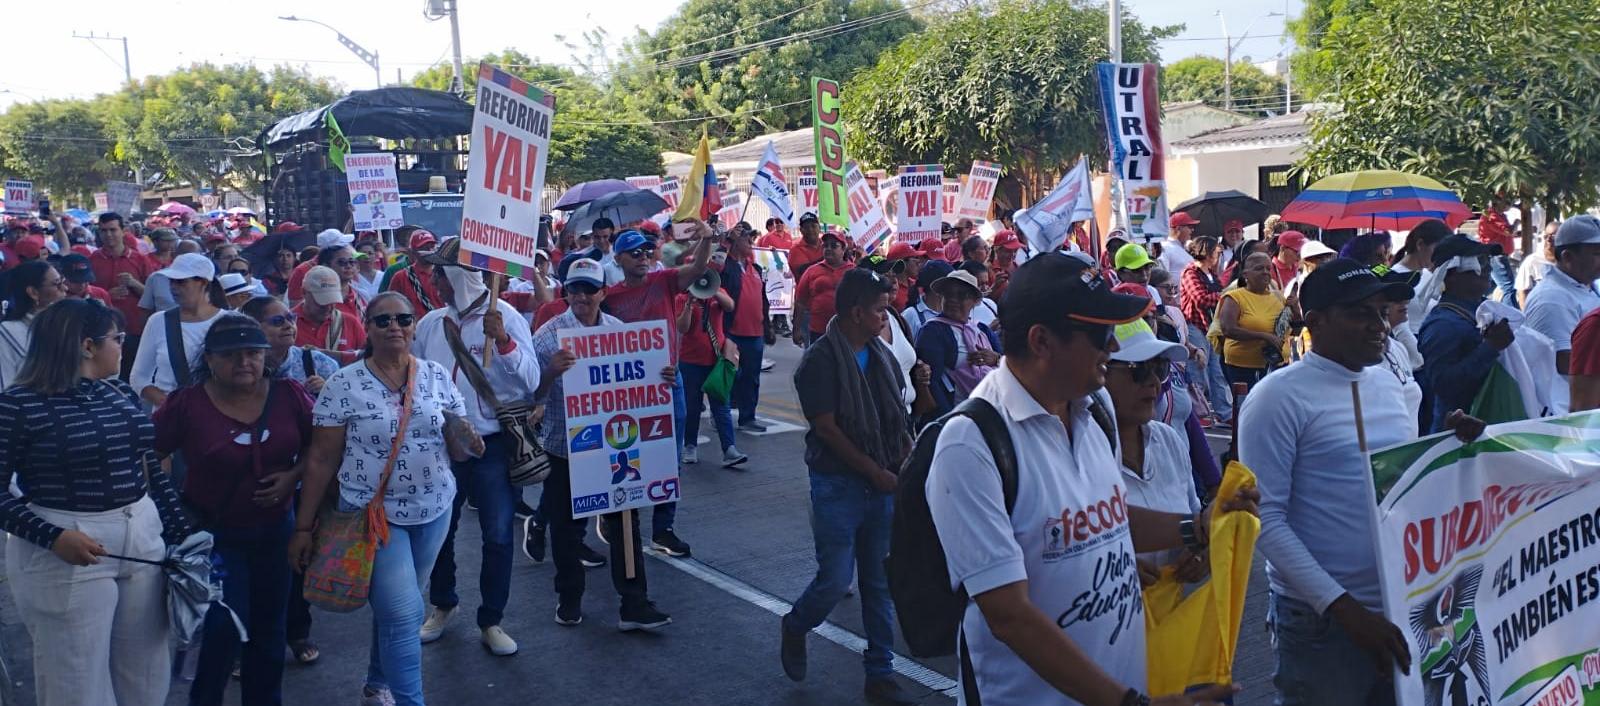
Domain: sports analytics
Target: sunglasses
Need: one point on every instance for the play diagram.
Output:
(1154, 370)
(280, 320)
(639, 253)
(383, 320)
(1099, 335)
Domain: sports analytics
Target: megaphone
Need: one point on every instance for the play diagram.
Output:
(707, 286)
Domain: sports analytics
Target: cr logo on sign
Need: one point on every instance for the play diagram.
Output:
(662, 490)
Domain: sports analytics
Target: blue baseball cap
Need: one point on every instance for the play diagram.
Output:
(630, 240)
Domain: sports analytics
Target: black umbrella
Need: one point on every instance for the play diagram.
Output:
(621, 207)
(261, 253)
(1215, 208)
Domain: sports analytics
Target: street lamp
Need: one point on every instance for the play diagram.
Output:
(1227, 62)
(367, 57)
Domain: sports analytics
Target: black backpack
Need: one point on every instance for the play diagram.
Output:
(929, 611)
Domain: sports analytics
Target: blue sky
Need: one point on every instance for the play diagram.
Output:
(44, 61)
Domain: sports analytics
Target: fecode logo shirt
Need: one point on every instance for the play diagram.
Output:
(1068, 537)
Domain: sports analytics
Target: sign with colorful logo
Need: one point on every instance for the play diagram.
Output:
(1489, 558)
(1132, 106)
(619, 417)
(505, 172)
(374, 190)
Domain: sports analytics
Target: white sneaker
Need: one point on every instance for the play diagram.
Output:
(690, 456)
(433, 627)
(498, 642)
(733, 457)
(379, 697)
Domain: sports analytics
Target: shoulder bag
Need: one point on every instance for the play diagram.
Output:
(527, 463)
(339, 576)
(719, 380)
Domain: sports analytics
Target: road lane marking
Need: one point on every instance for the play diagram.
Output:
(905, 666)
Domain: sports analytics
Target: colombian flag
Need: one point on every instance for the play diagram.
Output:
(702, 198)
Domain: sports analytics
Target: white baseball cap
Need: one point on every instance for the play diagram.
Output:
(331, 238)
(1136, 343)
(189, 266)
(586, 271)
(322, 286)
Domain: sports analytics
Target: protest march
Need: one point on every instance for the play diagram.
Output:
(1005, 366)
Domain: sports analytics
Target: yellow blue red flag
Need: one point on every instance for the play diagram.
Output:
(702, 197)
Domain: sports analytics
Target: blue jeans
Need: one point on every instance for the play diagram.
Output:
(256, 585)
(665, 515)
(1212, 381)
(485, 480)
(1504, 279)
(850, 524)
(396, 600)
(694, 376)
(747, 385)
(1318, 665)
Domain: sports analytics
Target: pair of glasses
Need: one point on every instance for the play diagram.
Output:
(1099, 335)
(640, 253)
(281, 320)
(1154, 370)
(383, 320)
(120, 337)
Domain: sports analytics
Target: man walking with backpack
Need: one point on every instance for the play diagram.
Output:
(850, 391)
(1055, 615)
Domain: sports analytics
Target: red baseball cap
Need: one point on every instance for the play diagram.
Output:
(836, 235)
(422, 240)
(1007, 239)
(1233, 225)
(931, 248)
(29, 247)
(952, 251)
(1182, 219)
(288, 227)
(1292, 239)
(902, 251)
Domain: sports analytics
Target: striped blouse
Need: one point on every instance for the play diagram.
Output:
(79, 451)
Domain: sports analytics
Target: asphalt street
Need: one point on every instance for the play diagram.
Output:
(753, 554)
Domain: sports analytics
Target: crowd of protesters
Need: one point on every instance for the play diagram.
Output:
(247, 396)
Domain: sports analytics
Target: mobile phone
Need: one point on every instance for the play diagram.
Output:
(44, 207)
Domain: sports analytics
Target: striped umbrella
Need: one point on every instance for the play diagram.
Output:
(1376, 199)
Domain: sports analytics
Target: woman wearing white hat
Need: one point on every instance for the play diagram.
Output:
(176, 335)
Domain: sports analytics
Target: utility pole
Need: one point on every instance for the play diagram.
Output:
(1227, 61)
(370, 58)
(1114, 12)
(127, 75)
(459, 84)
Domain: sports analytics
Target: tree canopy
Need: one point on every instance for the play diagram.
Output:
(591, 137)
(1312, 62)
(736, 59)
(1013, 83)
(1201, 78)
(61, 145)
(1492, 97)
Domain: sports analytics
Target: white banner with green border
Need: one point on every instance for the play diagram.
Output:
(1490, 561)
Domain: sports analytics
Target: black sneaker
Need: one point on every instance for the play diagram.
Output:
(792, 652)
(886, 691)
(569, 614)
(522, 509)
(645, 617)
(752, 426)
(590, 558)
(667, 541)
(533, 541)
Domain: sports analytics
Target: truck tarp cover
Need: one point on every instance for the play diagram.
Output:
(391, 113)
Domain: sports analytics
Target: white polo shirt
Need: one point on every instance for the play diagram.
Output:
(1068, 537)
(1554, 308)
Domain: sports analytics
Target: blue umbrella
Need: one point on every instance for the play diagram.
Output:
(590, 190)
(77, 213)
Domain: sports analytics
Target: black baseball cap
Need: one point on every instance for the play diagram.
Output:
(1061, 285)
(808, 216)
(1346, 281)
(1458, 245)
(75, 268)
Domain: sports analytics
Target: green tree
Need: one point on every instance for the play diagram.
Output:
(61, 145)
(1312, 62)
(589, 138)
(1013, 84)
(1201, 78)
(1492, 97)
(734, 59)
(196, 123)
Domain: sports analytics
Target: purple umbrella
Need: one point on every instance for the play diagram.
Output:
(581, 194)
(173, 207)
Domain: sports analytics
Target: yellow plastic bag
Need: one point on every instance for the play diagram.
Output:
(1190, 640)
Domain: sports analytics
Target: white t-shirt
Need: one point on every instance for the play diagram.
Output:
(1532, 270)
(1167, 484)
(986, 312)
(152, 366)
(1554, 308)
(1067, 536)
(421, 486)
(1174, 256)
(1397, 360)
(367, 288)
(905, 353)
(15, 337)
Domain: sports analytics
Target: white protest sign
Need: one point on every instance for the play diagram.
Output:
(100, 201)
(951, 199)
(920, 201)
(647, 183)
(1489, 558)
(671, 191)
(505, 173)
(732, 209)
(122, 197)
(619, 431)
(374, 190)
(978, 192)
(807, 193)
(869, 227)
(19, 196)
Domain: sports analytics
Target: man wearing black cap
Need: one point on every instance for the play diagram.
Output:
(1070, 538)
(1457, 356)
(79, 275)
(1298, 432)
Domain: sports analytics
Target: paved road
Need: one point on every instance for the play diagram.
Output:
(752, 554)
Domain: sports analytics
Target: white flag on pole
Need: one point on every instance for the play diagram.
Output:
(768, 184)
(1048, 221)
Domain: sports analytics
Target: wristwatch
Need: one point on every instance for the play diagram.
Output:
(1134, 698)
(1191, 538)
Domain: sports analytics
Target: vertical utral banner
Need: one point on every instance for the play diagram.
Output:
(1132, 107)
(832, 199)
(505, 173)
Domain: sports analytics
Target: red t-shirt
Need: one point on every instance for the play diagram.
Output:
(802, 254)
(219, 451)
(297, 279)
(650, 301)
(778, 239)
(747, 316)
(547, 311)
(697, 346)
(352, 333)
(1283, 274)
(107, 268)
(815, 292)
(1586, 345)
(401, 282)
